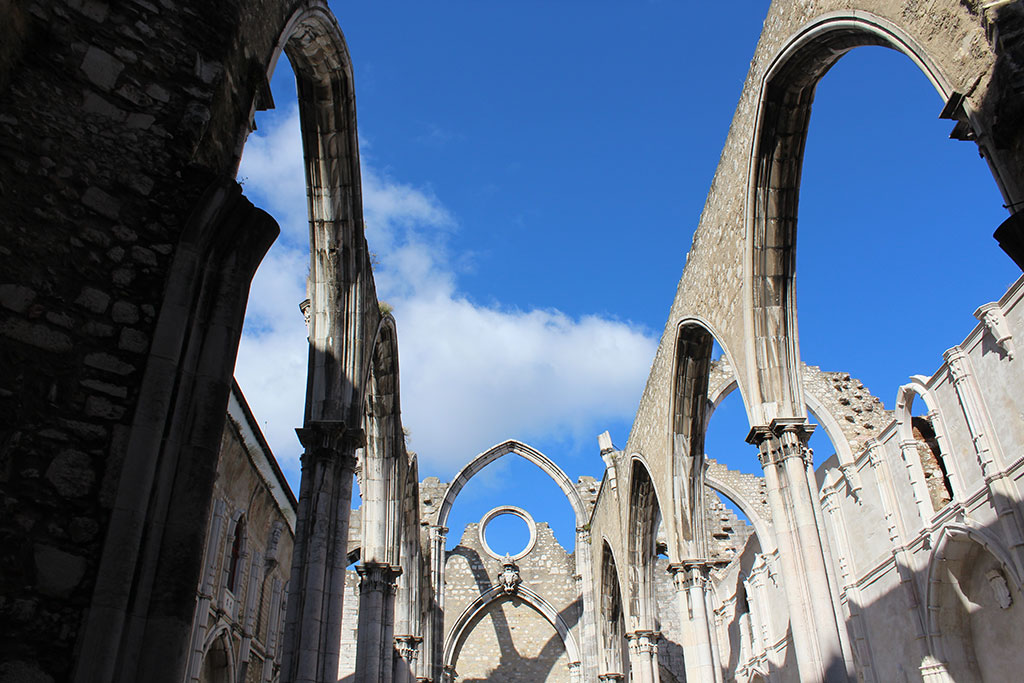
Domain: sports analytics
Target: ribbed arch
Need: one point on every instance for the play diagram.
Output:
(783, 113)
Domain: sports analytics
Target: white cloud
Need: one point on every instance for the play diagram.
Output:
(472, 375)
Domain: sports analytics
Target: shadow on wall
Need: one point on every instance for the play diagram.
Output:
(512, 665)
(967, 598)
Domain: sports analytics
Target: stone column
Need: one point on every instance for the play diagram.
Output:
(815, 624)
(591, 655)
(689, 578)
(575, 672)
(709, 609)
(407, 651)
(313, 625)
(374, 645)
(643, 656)
(434, 635)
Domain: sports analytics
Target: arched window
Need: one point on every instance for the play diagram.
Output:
(936, 477)
(237, 554)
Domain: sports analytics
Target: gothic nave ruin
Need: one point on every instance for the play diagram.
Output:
(148, 533)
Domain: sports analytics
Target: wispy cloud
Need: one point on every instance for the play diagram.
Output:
(472, 375)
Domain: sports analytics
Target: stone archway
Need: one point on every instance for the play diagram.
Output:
(470, 615)
(974, 607)
(218, 661)
(530, 454)
(783, 114)
(438, 538)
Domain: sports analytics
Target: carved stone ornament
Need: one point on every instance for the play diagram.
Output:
(1000, 589)
(995, 322)
(510, 578)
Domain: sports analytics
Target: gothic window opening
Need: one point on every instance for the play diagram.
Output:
(936, 476)
(237, 554)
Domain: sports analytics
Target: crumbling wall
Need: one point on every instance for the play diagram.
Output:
(750, 486)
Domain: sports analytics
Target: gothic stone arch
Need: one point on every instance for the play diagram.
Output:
(464, 624)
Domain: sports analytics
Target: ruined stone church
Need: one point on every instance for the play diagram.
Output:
(147, 533)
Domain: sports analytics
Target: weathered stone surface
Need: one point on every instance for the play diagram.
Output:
(71, 473)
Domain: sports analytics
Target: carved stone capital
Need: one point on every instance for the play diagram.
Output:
(643, 642)
(408, 647)
(611, 677)
(330, 440)
(377, 577)
(783, 438)
(956, 360)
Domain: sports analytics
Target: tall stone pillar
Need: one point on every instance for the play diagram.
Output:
(312, 637)
(643, 656)
(433, 637)
(690, 581)
(374, 647)
(591, 655)
(815, 624)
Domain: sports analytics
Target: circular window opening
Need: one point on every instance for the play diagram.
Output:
(508, 531)
(508, 534)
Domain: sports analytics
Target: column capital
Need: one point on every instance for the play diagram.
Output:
(643, 641)
(782, 438)
(408, 647)
(377, 576)
(958, 363)
(330, 439)
(610, 676)
(692, 572)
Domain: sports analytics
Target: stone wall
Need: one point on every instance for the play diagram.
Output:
(511, 641)
(115, 119)
(241, 596)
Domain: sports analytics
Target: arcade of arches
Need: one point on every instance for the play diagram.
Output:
(149, 534)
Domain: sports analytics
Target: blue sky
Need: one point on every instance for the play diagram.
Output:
(532, 176)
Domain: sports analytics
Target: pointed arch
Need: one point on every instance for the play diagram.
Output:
(762, 527)
(464, 624)
(951, 565)
(644, 510)
(932, 437)
(613, 626)
(783, 113)
(694, 344)
(523, 450)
